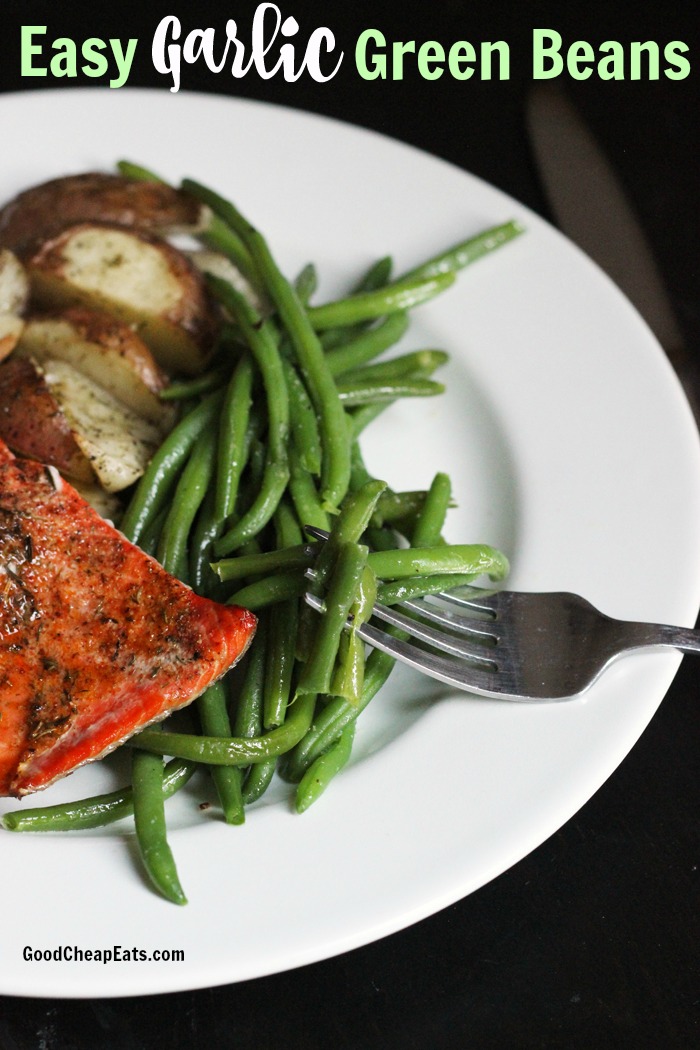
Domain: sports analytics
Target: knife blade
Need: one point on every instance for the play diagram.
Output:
(591, 207)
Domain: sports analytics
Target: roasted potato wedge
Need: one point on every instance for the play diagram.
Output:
(32, 423)
(14, 294)
(136, 277)
(105, 350)
(54, 413)
(43, 211)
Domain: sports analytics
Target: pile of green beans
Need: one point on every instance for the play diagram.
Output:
(266, 444)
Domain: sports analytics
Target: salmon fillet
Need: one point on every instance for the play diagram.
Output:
(96, 639)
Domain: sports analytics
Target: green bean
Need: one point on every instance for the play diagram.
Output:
(308, 350)
(149, 820)
(431, 519)
(419, 586)
(258, 780)
(360, 418)
(263, 346)
(263, 593)
(148, 540)
(376, 276)
(352, 394)
(353, 518)
(350, 665)
(466, 252)
(283, 620)
(203, 384)
(96, 811)
(418, 363)
(305, 496)
(335, 716)
(401, 295)
(172, 550)
(214, 719)
(396, 508)
(320, 773)
(298, 557)
(343, 587)
(305, 435)
(306, 283)
(234, 438)
(160, 477)
(370, 344)
(236, 751)
(205, 530)
(476, 558)
(247, 721)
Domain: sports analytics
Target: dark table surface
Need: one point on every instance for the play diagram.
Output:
(592, 940)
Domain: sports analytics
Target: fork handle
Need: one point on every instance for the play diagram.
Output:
(687, 639)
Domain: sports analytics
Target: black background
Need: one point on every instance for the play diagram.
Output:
(592, 940)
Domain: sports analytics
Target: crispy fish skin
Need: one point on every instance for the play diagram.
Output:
(96, 639)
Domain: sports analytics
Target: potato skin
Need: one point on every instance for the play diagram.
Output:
(107, 350)
(44, 210)
(14, 295)
(136, 277)
(32, 423)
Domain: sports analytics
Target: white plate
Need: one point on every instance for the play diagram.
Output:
(570, 445)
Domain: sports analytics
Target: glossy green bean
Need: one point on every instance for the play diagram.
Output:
(234, 439)
(214, 720)
(283, 620)
(304, 494)
(266, 563)
(149, 820)
(366, 306)
(305, 434)
(342, 593)
(202, 384)
(368, 345)
(353, 393)
(419, 586)
(172, 550)
(236, 751)
(258, 780)
(417, 363)
(349, 673)
(276, 588)
(476, 558)
(466, 252)
(431, 518)
(320, 773)
(94, 812)
(247, 720)
(335, 716)
(308, 350)
(159, 480)
(378, 274)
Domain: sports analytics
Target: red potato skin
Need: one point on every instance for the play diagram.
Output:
(96, 639)
(44, 210)
(32, 423)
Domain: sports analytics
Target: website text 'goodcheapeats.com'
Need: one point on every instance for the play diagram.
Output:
(115, 953)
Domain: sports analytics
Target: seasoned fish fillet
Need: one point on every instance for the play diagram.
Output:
(96, 639)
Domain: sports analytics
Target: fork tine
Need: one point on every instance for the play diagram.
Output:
(477, 628)
(480, 601)
(446, 669)
(453, 645)
(447, 643)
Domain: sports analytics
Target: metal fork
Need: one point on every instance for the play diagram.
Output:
(513, 645)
